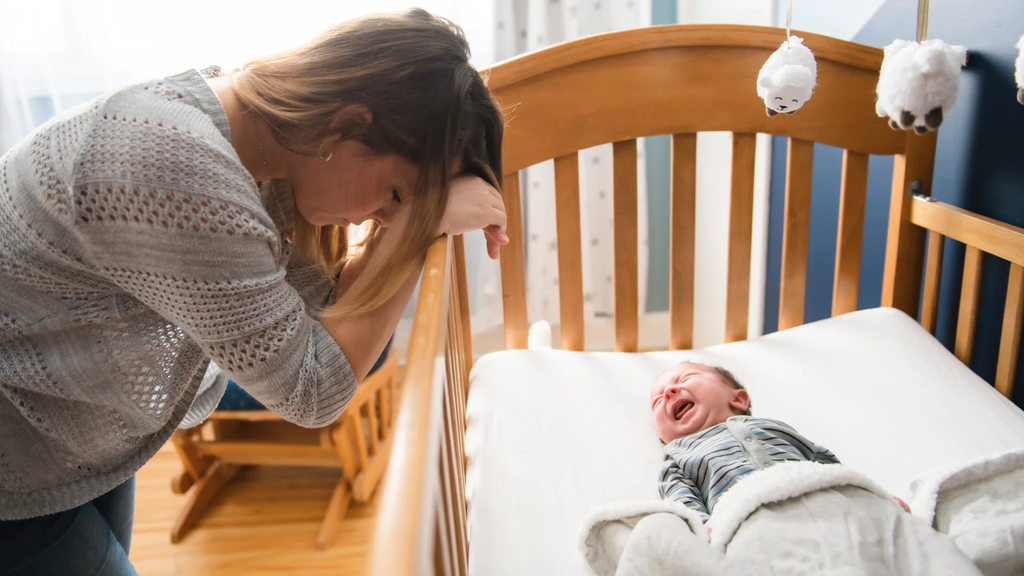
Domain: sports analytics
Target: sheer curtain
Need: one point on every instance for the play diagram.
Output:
(528, 25)
(55, 54)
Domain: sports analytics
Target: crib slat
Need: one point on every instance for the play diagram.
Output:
(793, 283)
(385, 412)
(851, 232)
(454, 348)
(463, 297)
(932, 280)
(448, 482)
(570, 260)
(457, 382)
(442, 551)
(624, 224)
(1009, 342)
(453, 486)
(446, 555)
(904, 244)
(371, 410)
(392, 397)
(387, 394)
(681, 251)
(456, 399)
(741, 221)
(458, 465)
(513, 270)
(968, 317)
(359, 436)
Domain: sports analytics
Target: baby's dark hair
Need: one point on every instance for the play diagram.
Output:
(730, 378)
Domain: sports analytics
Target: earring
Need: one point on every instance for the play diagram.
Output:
(320, 152)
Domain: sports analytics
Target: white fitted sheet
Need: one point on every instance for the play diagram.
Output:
(552, 434)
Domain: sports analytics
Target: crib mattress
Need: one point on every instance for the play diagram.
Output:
(552, 434)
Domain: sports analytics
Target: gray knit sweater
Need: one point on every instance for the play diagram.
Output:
(134, 248)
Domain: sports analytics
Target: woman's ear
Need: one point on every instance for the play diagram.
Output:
(351, 114)
(739, 401)
(351, 119)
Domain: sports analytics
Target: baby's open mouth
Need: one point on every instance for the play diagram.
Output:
(683, 409)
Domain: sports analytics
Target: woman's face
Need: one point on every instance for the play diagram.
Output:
(355, 185)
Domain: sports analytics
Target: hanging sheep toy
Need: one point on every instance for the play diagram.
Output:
(787, 79)
(919, 83)
(1019, 72)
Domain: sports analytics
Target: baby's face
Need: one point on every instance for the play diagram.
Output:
(691, 397)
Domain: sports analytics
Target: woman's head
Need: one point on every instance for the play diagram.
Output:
(393, 103)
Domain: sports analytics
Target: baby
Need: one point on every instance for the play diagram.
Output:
(702, 413)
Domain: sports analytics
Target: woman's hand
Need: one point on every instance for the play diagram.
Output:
(473, 204)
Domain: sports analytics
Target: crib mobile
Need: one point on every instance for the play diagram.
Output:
(786, 81)
(918, 81)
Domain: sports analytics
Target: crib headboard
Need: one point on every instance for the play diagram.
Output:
(681, 80)
(676, 80)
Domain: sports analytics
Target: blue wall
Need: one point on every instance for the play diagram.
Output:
(979, 166)
(658, 152)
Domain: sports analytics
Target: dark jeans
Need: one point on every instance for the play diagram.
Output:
(91, 540)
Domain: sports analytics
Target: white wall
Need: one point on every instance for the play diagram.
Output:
(828, 17)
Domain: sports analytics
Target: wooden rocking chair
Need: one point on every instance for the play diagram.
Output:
(359, 443)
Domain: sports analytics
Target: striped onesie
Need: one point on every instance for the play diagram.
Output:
(700, 467)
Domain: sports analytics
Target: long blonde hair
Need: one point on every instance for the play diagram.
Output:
(429, 106)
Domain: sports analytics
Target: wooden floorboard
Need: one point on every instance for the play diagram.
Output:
(264, 522)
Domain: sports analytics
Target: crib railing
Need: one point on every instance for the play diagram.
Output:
(421, 523)
(980, 235)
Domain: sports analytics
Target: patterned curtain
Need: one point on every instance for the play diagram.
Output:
(528, 25)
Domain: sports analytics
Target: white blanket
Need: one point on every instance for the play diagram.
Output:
(981, 507)
(538, 464)
(792, 518)
(652, 537)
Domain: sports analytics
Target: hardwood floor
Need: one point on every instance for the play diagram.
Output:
(264, 522)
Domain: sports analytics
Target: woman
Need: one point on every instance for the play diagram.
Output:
(136, 247)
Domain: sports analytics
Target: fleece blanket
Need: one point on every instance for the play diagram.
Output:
(652, 537)
(790, 519)
(981, 507)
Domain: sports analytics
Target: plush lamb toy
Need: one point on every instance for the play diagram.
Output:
(919, 83)
(1019, 75)
(787, 79)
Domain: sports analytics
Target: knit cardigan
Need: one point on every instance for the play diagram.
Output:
(135, 248)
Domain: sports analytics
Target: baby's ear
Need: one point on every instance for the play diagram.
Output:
(739, 401)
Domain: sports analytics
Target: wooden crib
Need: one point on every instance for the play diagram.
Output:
(676, 80)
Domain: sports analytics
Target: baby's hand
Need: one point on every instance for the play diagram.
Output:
(901, 503)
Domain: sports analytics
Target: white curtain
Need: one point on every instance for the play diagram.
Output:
(528, 25)
(55, 54)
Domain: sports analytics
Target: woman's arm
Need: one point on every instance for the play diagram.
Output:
(473, 205)
(363, 337)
